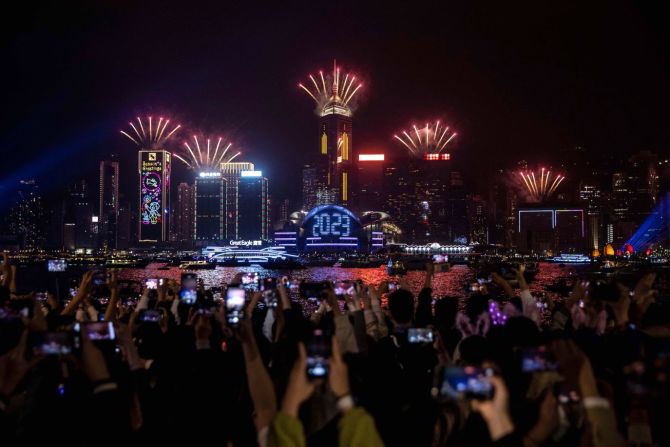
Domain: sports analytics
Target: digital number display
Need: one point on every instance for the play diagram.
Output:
(331, 224)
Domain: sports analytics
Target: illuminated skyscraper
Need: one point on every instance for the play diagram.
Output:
(336, 150)
(231, 173)
(108, 211)
(314, 177)
(210, 209)
(253, 206)
(154, 168)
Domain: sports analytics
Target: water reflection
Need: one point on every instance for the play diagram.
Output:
(452, 283)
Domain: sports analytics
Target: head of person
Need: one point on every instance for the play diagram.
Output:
(401, 306)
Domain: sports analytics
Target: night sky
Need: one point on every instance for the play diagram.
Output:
(516, 79)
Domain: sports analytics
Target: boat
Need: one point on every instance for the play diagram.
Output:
(197, 265)
(362, 263)
(571, 259)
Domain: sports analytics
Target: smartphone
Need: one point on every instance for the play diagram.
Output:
(538, 359)
(99, 278)
(346, 287)
(151, 283)
(150, 316)
(54, 343)
(319, 351)
(313, 290)
(188, 292)
(419, 335)
(467, 382)
(41, 296)
(393, 286)
(98, 330)
(56, 265)
(235, 301)
(250, 281)
(439, 259)
(474, 287)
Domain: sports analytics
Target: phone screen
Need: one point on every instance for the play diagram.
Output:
(235, 301)
(56, 265)
(152, 283)
(467, 382)
(150, 316)
(439, 259)
(537, 360)
(393, 286)
(53, 343)
(312, 290)
(345, 288)
(99, 331)
(319, 351)
(188, 293)
(419, 335)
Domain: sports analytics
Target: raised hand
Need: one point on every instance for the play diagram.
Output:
(495, 411)
(299, 386)
(14, 366)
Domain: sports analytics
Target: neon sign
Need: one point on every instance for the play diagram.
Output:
(331, 224)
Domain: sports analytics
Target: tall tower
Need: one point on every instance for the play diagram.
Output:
(231, 173)
(154, 167)
(154, 164)
(210, 209)
(333, 95)
(109, 203)
(253, 213)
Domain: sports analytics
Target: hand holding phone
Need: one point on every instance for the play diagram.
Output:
(235, 302)
(188, 292)
(417, 335)
(467, 382)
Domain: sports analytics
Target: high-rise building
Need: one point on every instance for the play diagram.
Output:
(185, 215)
(314, 184)
(108, 211)
(80, 223)
(231, 173)
(210, 209)
(478, 220)
(284, 211)
(27, 216)
(370, 181)
(123, 226)
(253, 206)
(336, 147)
(154, 168)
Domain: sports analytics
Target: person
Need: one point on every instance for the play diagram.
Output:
(590, 369)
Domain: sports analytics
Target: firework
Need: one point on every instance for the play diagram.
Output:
(542, 186)
(429, 139)
(150, 133)
(205, 154)
(332, 89)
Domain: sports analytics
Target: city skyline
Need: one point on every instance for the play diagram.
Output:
(498, 113)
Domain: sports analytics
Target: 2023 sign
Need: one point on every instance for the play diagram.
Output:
(331, 224)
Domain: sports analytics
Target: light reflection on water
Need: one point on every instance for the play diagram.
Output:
(452, 283)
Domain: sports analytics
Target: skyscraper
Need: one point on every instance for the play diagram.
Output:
(314, 177)
(27, 216)
(336, 147)
(253, 206)
(210, 208)
(231, 173)
(108, 211)
(370, 181)
(184, 221)
(80, 230)
(154, 168)
(123, 226)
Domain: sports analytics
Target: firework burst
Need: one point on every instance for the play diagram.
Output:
(542, 186)
(336, 89)
(205, 154)
(150, 133)
(429, 139)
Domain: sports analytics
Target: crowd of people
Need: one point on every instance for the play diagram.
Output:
(368, 368)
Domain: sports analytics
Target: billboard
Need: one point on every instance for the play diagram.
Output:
(154, 167)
